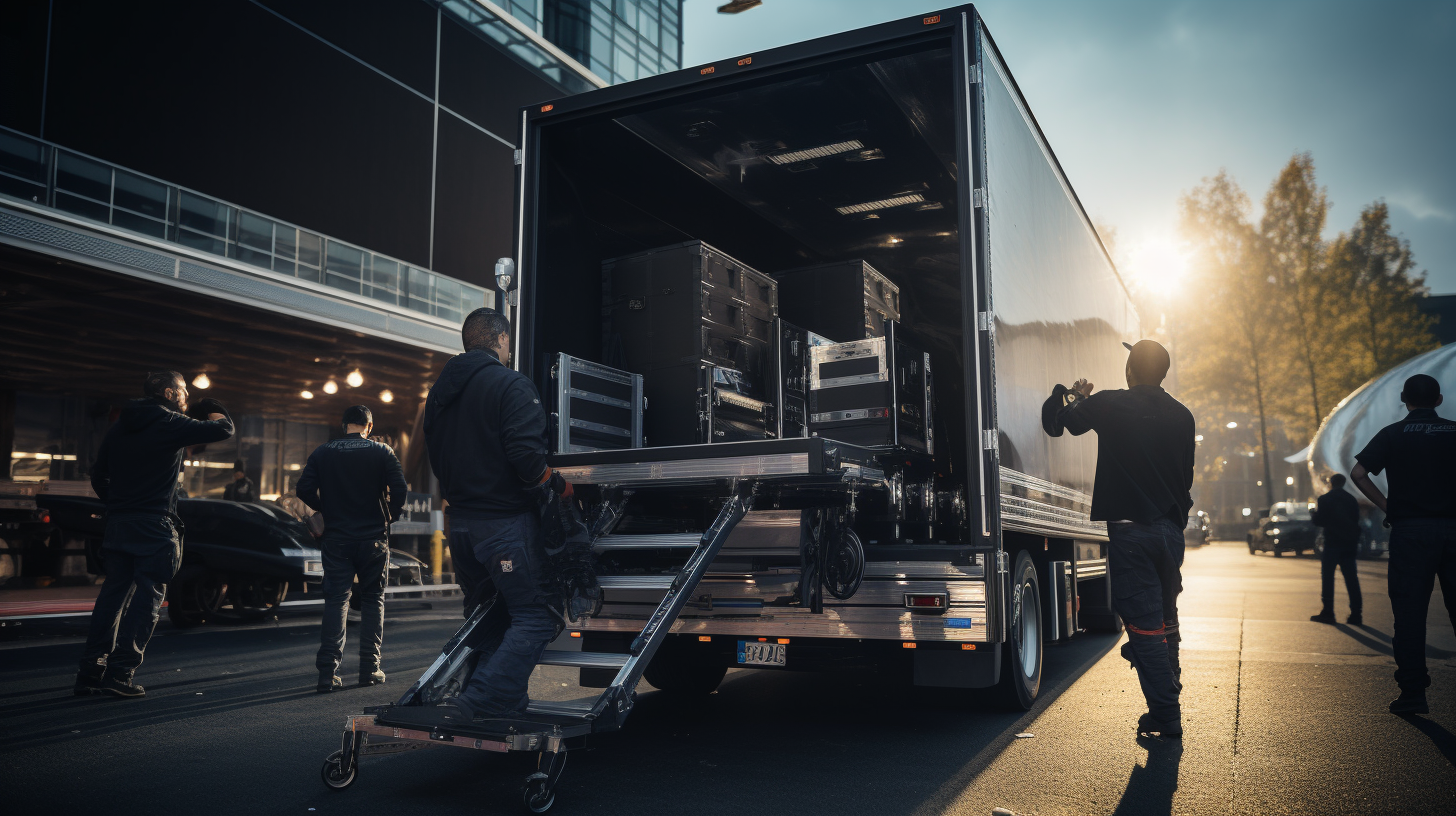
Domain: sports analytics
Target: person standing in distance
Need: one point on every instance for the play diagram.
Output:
(1142, 490)
(1420, 453)
(487, 435)
(358, 486)
(1339, 514)
(241, 489)
(135, 476)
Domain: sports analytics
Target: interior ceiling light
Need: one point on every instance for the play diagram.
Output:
(355, 379)
(386, 395)
(306, 394)
(816, 152)
(737, 6)
(331, 387)
(882, 204)
(201, 381)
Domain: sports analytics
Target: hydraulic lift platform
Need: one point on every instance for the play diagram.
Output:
(808, 473)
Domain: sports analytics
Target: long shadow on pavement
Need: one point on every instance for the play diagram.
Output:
(1444, 740)
(1150, 786)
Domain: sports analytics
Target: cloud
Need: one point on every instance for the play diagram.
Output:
(1418, 204)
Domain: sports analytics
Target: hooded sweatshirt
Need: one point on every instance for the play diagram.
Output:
(136, 469)
(487, 435)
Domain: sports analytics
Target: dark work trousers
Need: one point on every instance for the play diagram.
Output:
(1339, 554)
(1421, 550)
(343, 560)
(141, 553)
(1144, 561)
(506, 548)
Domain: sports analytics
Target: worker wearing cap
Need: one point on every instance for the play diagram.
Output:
(1144, 475)
(1420, 454)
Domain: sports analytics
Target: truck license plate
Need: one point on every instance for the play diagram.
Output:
(751, 653)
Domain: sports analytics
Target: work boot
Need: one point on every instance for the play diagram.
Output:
(1324, 617)
(328, 681)
(1149, 725)
(88, 682)
(1127, 654)
(1355, 619)
(1410, 702)
(371, 675)
(119, 684)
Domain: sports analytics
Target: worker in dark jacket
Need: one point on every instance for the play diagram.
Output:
(1144, 475)
(359, 488)
(1419, 452)
(1339, 514)
(241, 489)
(135, 476)
(486, 432)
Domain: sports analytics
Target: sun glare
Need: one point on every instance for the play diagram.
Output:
(1158, 265)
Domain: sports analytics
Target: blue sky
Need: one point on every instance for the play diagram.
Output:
(1141, 100)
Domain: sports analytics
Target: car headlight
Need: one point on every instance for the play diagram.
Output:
(313, 568)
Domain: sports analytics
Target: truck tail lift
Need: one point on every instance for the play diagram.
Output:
(794, 315)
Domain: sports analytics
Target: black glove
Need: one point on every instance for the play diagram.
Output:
(205, 406)
(1051, 408)
(559, 485)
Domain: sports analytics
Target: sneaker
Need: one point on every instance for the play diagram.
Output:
(328, 681)
(1355, 619)
(1150, 726)
(88, 683)
(371, 676)
(1324, 617)
(120, 685)
(1410, 702)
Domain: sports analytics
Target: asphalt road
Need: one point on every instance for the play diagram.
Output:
(1282, 716)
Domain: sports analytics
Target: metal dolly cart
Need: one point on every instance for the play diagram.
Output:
(820, 476)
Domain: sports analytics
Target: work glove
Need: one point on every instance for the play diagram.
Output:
(559, 485)
(205, 406)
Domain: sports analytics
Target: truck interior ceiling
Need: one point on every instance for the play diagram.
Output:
(854, 160)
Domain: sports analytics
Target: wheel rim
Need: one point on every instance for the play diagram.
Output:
(1030, 626)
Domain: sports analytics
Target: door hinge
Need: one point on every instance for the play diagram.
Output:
(1001, 566)
(986, 321)
(516, 156)
(989, 440)
(973, 76)
(978, 197)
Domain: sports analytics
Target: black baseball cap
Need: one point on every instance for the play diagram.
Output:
(1149, 360)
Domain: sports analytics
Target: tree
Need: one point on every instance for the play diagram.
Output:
(1234, 357)
(1377, 268)
(1292, 226)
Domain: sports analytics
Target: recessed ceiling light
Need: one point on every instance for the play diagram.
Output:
(331, 387)
(306, 394)
(355, 379)
(201, 382)
(816, 152)
(386, 395)
(882, 204)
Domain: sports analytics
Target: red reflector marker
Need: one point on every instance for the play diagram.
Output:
(968, 647)
(925, 601)
(932, 20)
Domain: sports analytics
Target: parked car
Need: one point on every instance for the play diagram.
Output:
(1197, 531)
(1287, 528)
(238, 559)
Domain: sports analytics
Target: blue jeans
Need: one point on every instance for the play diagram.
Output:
(1421, 550)
(344, 559)
(1144, 561)
(141, 554)
(506, 548)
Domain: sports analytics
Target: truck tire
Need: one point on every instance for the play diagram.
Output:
(1021, 653)
(194, 596)
(684, 675)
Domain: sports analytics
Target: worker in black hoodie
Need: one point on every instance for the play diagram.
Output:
(486, 432)
(135, 475)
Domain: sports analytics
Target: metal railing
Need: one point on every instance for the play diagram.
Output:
(45, 173)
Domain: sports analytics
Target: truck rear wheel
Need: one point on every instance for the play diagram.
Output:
(1021, 653)
(194, 596)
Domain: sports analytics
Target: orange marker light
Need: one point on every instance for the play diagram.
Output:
(576, 634)
(968, 647)
(706, 71)
(705, 638)
(908, 645)
(784, 641)
(745, 61)
(763, 640)
(932, 20)
(547, 108)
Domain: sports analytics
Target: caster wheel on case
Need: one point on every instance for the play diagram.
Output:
(537, 795)
(337, 777)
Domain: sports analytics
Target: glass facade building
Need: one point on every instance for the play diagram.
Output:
(619, 40)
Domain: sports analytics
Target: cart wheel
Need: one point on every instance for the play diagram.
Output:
(337, 778)
(537, 795)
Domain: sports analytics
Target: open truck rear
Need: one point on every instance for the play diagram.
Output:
(950, 551)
